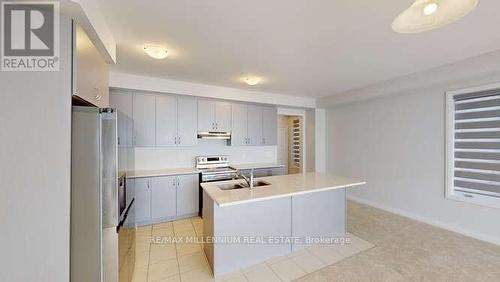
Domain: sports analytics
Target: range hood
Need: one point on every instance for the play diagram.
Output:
(214, 135)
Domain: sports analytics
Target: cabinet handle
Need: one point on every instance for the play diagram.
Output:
(173, 181)
(149, 180)
(179, 140)
(177, 181)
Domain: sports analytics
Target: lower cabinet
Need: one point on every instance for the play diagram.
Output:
(187, 195)
(278, 171)
(142, 200)
(165, 198)
(263, 172)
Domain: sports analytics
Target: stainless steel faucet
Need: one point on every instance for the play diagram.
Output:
(249, 180)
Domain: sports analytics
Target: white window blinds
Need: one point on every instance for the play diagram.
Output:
(296, 145)
(476, 143)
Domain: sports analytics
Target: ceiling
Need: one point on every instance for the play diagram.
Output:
(301, 47)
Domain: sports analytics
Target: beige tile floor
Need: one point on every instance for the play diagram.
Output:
(179, 261)
(408, 250)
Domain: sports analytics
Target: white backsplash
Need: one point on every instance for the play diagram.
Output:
(183, 157)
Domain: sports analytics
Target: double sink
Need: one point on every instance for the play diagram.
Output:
(233, 186)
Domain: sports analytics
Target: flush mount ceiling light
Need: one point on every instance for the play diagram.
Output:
(425, 15)
(156, 51)
(252, 80)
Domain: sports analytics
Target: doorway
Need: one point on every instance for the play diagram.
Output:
(290, 143)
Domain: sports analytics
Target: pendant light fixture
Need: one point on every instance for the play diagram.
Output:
(426, 15)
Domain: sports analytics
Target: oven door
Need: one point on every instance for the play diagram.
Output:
(213, 177)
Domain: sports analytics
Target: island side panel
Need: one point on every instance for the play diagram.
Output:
(319, 214)
(262, 218)
(208, 227)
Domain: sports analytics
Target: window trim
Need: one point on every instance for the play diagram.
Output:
(450, 192)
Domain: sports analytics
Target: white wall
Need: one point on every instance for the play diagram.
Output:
(397, 144)
(119, 80)
(310, 140)
(320, 140)
(160, 158)
(35, 137)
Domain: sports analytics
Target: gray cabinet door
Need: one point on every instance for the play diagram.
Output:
(166, 120)
(187, 118)
(122, 102)
(223, 116)
(129, 132)
(254, 125)
(163, 197)
(261, 172)
(142, 201)
(206, 115)
(239, 120)
(188, 194)
(278, 171)
(269, 126)
(121, 128)
(144, 120)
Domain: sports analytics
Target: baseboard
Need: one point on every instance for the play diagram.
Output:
(165, 219)
(433, 222)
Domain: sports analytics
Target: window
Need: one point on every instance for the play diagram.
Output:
(296, 140)
(473, 145)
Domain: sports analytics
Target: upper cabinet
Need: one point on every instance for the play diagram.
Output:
(239, 130)
(90, 70)
(223, 116)
(206, 115)
(187, 117)
(166, 120)
(144, 115)
(214, 116)
(122, 101)
(163, 120)
(253, 125)
(269, 126)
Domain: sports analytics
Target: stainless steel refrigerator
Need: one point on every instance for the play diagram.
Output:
(100, 207)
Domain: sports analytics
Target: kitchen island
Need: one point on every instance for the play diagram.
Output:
(243, 227)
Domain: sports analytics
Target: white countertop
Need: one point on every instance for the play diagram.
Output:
(162, 172)
(281, 186)
(256, 165)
